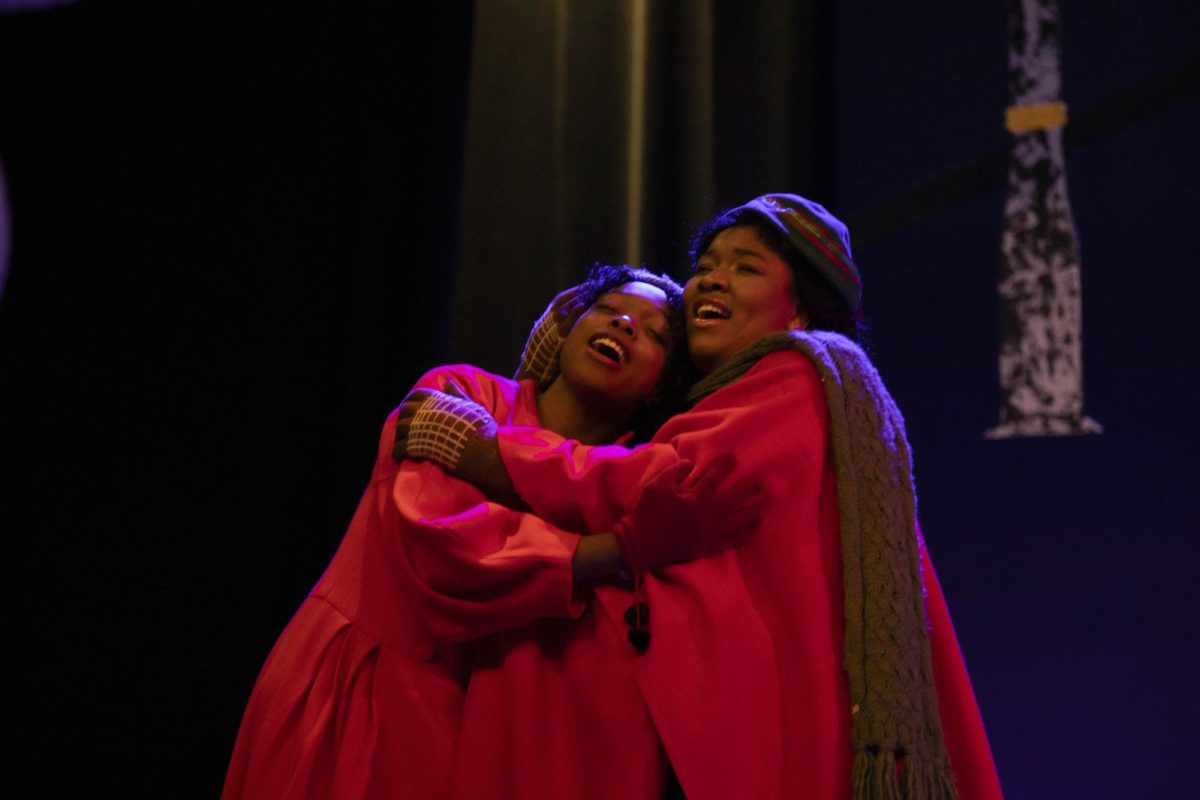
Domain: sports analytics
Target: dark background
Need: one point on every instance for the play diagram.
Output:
(236, 235)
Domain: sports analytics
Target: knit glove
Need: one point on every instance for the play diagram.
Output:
(682, 515)
(455, 433)
(539, 359)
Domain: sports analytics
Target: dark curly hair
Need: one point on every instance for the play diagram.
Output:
(678, 373)
(814, 294)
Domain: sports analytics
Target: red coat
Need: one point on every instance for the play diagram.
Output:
(743, 679)
(361, 695)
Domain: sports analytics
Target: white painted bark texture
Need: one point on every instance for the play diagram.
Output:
(1041, 361)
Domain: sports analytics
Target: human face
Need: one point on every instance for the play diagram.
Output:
(617, 349)
(740, 292)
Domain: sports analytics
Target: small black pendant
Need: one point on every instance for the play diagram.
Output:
(631, 614)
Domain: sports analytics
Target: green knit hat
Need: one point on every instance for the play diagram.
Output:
(818, 235)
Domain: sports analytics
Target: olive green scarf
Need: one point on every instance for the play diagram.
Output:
(887, 656)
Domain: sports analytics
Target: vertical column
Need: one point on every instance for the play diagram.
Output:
(5, 236)
(636, 146)
(1041, 365)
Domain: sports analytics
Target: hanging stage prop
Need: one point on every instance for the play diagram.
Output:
(1041, 356)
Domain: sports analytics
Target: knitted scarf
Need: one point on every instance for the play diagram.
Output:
(887, 657)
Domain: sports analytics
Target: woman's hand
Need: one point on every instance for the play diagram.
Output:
(457, 434)
(539, 359)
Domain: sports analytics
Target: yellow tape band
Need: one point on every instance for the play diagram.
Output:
(1039, 117)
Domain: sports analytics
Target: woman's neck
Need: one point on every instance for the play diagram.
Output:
(566, 413)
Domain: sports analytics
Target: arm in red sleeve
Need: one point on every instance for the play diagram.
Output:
(478, 567)
(579, 486)
(475, 567)
(773, 419)
(490, 391)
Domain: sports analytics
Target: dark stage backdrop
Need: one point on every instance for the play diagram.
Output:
(242, 230)
(602, 131)
(234, 231)
(1069, 562)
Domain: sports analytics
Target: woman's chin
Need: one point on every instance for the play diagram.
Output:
(600, 387)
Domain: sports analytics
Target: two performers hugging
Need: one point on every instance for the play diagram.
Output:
(679, 554)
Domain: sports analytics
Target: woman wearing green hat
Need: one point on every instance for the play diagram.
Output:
(817, 659)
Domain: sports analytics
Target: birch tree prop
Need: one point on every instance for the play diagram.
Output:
(1041, 362)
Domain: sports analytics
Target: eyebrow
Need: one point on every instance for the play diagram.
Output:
(738, 251)
(741, 251)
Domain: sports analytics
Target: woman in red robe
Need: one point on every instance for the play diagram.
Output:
(817, 659)
(361, 695)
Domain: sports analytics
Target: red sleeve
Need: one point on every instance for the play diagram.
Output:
(773, 418)
(494, 393)
(579, 486)
(478, 567)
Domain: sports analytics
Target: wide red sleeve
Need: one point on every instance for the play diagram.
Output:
(477, 567)
(755, 424)
(500, 396)
(579, 486)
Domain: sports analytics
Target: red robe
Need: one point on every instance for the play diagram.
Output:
(743, 679)
(361, 695)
